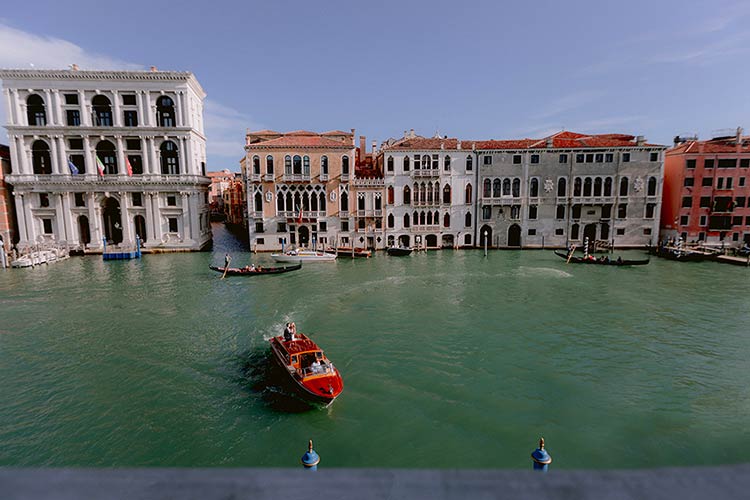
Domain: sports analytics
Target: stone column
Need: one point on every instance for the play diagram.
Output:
(178, 109)
(30, 228)
(150, 235)
(23, 233)
(157, 217)
(49, 107)
(58, 107)
(85, 109)
(68, 214)
(155, 169)
(9, 105)
(191, 166)
(54, 154)
(194, 213)
(183, 162)
(64, 169)
(148, 119)
(62, 226)
(121, 169)
(186, 229)
(117, 121)
(24, 116)
(17, 107)
(19, 165)
(88, 156)
(95, 222)
(127, 229)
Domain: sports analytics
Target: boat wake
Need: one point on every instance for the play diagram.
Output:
(542, 271)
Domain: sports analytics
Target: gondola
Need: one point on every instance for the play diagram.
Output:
(680, 255)
(607, 262)
(235, 271)
(398, 251)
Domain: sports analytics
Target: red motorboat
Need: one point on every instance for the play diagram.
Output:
(313, 374)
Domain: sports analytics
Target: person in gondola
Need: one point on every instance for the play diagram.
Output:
(619, 260)
(227, 260)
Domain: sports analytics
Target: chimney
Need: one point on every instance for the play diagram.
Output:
(74, 67)
(374, 147)
(458, 144)
(442, 145)
(412, 135)
(640, 140)
(550, 142)
(362, 148)
(406, 132)
(739, 135)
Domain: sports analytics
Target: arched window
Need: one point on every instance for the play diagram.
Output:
(506, 187)
(389, 164)
(447, 163)
(407, 195)
(415, 218)
(170, 163)
(447, 194)
(574, 231)
(468, 194)
(344, 202)
(429, 218)
(422, 191)
(344, 165)
(322, 202)
(516, 187)
(651, 186)
(313, 202)
(297, 165)
(256, 165)
(561, 187)
(598, 186)
(406, 163)
(469, 162)
(35, 111)
(608, 186)
(40, 158)
(279, 202)
(306, 166)
(105, 151)
(165, 112)
(447, 220)
(423, 219)
(391, 221)
(287, 165)
(467, 220)
(269, 164)
(624, 186)
(406, 220)
(534, 188)
(587, 186)
(487, 188)
(258, 202)
(289, 202)
(102, 108)
(436, 195)
(577, 186)
(496, 188)
(390, 195)
(323, 165)
(429, 192)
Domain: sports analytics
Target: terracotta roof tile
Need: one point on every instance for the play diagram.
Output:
(336, 132)
(713, 146)
(300, 140)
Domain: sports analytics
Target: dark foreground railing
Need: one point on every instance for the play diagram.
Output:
(362, 484)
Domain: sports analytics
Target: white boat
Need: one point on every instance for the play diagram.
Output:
(296, 256)
(40, 257)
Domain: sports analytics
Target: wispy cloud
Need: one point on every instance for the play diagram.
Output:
(570, 102)
(225, 131)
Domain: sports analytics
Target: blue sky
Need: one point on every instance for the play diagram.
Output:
(474, 70)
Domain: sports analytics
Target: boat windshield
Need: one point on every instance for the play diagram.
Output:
(314, 363)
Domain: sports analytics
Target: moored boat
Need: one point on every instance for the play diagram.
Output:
(399, 251)
(254, 271)
(679, 254)
(352, 252)
(312, 373)
(601, 261)
(297, 256)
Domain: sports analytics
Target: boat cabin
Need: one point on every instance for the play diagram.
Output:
(304, 356)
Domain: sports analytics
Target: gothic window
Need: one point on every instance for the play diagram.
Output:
(447, 194)
(306, 166)
(467, 219)
(534, 187)
(344, 202)
(447, 220)
(256, 165)
(587, 186)
(407, 195)
(561, 187)
(516, 187)
(624, 186)
(406, 220)
(577, 186)
(487, 191)
(344, 165)
(651, 186)
(389, 164)
(297, 165)
(469, 163)
(598, 186)
(406, 163)
(506, 187)
(447, 163)
(496, 188)
(468, 194)
(390, 195)
(258, 202)
(391, 221)
(269, 164)
(608, 186)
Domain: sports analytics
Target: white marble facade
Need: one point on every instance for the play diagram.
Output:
(143, 128)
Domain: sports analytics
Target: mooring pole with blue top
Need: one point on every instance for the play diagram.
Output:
(310, 459)
(541, 458)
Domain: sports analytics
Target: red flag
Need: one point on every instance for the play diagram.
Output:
(128, 167)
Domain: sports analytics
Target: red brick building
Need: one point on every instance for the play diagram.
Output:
(8, 233)
(706, 190)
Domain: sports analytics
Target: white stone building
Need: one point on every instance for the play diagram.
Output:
(108, 155)
(430, 186)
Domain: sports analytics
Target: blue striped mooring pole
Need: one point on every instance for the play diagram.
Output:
(541, 458)
(310, 459)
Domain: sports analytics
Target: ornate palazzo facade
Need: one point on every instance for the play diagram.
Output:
(108, 156)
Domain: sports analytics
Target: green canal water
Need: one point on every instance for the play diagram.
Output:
(449, 360)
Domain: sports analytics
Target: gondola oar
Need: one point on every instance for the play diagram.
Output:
(570, 254)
